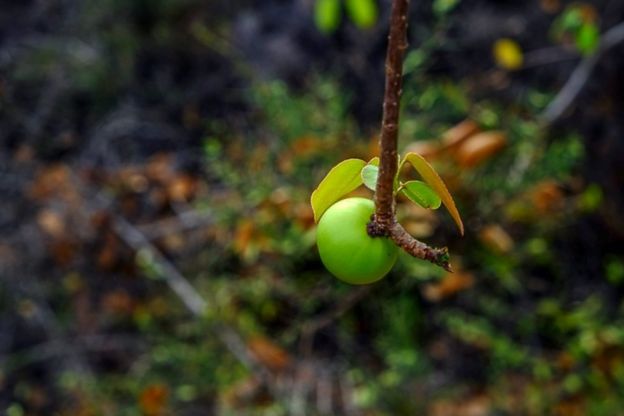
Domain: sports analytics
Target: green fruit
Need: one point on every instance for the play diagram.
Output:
(345, 247)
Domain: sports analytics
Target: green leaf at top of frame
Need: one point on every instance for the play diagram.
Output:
(369, 173)
(363, 13)
(327, 15)
(339, 181)
(422, 194)
(432, 178)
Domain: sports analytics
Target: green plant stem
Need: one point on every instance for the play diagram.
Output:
(384, 221)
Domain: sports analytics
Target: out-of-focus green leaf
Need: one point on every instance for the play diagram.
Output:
(587, 38)
(327, 15)
(369, 176)
(433, 179)
(341, 179)
(442, 7)
(591, 198)
(615, 271)
(571, 19)
(413, 61)
(422, 194)
(363, 13)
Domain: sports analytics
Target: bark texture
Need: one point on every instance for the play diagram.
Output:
(384, 221)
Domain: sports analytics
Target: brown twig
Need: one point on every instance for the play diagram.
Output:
(384, 221)
(397, 44)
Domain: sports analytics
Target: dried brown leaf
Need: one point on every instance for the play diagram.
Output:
(479, 148)
(496, 238)
(153, 400)
(451, 284)
(268, 353)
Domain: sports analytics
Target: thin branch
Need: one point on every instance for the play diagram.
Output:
(176, 281)
(397, 44)
(189, 296)
(573, 87)
(187, 220)
(384, 220)
(403, 239)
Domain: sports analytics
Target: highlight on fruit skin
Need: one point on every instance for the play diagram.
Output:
(345, 247)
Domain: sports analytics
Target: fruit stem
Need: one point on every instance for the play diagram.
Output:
(384, 222)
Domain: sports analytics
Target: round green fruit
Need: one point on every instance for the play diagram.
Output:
(345, 247)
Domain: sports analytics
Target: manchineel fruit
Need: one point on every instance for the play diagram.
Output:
(345, 247)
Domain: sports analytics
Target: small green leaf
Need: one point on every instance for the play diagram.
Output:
(587, 38)
(369, 176)
(442, 7)
(341, 179)
(437, 184)
(420, 193)
(363, 13)
(327, 15)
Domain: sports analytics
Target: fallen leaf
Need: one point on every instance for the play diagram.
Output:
(306, 146)
(268, 353)
(52, 181)
(547, 197)
(456, 135)
(428, 149)
(160, 168)
(243, 235)
(480, 147)
(51, 223)
(451, 284)
(117, 302)
(182, 188)
(496, 238)
(153, 400)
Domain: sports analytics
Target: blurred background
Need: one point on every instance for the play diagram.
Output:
(157, 248)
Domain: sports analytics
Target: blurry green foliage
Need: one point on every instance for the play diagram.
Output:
(442, 7)
(615, 271)
(328, 14)
(363, 13)
(577, 24)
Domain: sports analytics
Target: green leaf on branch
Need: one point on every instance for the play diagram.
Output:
(327, 15)
(341, 179)
(369, 176)
(363, 13)
(422, 194)
(437, 184)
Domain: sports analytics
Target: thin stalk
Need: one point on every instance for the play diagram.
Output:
(384, 221)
